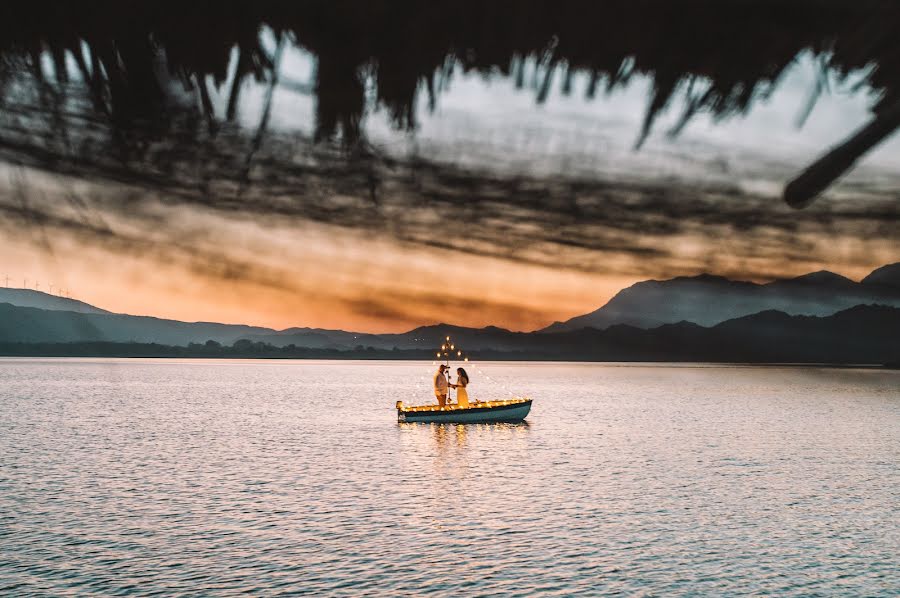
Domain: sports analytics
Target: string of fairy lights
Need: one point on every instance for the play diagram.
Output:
(446, 353)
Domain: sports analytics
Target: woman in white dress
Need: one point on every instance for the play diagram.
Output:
(462, 395)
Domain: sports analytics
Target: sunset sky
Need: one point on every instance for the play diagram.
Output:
(720, 212)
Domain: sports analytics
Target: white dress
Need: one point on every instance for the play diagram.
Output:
(462, 395)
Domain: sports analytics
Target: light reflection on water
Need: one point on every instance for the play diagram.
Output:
(168, 476)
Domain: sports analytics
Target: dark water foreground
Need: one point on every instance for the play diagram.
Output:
(217, 477)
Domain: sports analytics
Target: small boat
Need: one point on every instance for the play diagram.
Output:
(510, 411)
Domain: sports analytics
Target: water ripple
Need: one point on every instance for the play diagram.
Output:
(166, 477)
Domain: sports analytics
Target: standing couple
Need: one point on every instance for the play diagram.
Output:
(442, 383)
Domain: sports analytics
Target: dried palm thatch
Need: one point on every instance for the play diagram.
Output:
(122, 90)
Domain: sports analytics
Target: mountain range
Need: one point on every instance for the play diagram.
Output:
(657, 313)
(708, 300)
(864, 334)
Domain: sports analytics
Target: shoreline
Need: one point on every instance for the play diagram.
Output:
(325, 355)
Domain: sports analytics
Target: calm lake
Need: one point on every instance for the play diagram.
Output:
(214, 477)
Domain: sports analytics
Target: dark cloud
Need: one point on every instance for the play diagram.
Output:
(549, 221)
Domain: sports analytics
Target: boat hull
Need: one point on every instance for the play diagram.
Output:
(473, 415)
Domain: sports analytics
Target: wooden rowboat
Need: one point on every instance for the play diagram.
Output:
(511, 411)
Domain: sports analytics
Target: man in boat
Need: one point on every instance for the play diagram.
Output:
(440, 385)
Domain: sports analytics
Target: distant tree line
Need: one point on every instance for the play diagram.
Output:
(212, 349)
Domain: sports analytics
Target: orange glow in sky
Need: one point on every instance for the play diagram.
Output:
(332, 278)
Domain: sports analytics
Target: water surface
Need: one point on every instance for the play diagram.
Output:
(163, 476)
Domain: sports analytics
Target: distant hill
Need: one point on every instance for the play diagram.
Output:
(145, 329)
(861, 334)
(30, 298)
(708, 300)
(865, 334)
(423, 337)
(677, 307)
(318, 338)
(31, 325)
(886, 276)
